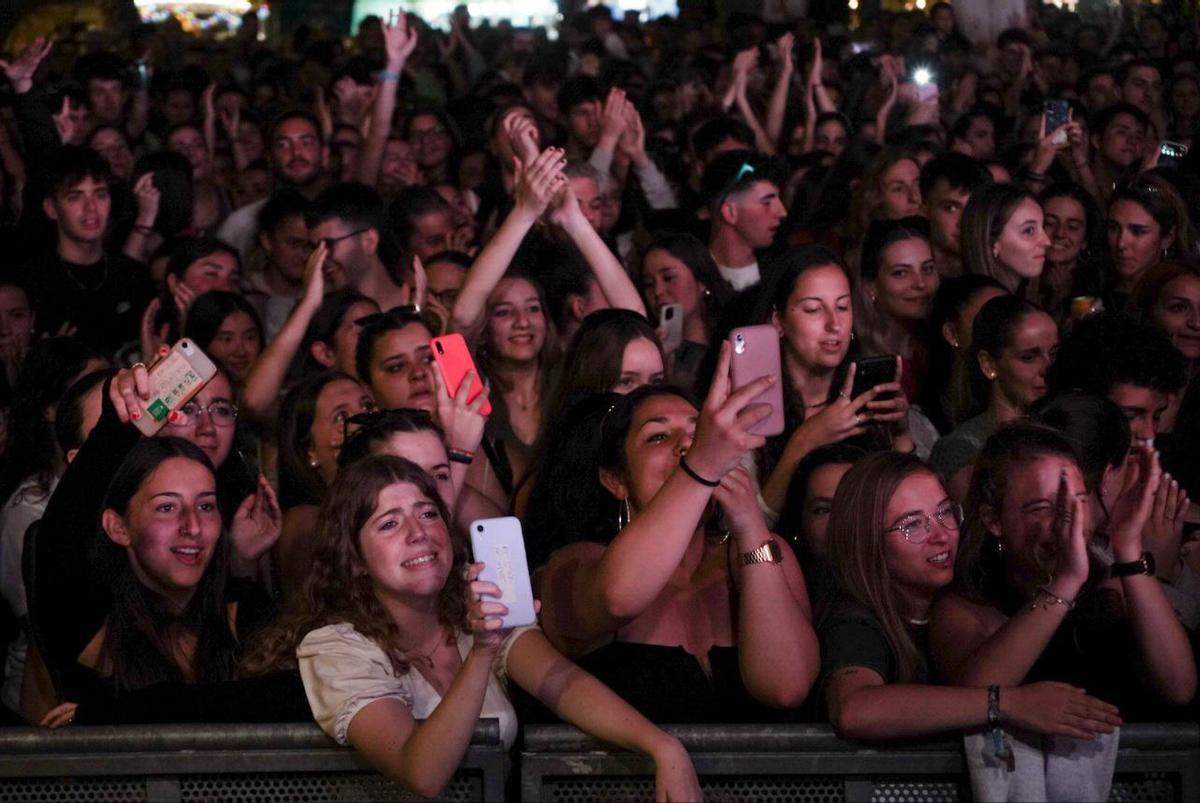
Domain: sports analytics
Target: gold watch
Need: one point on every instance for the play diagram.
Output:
(767, 553)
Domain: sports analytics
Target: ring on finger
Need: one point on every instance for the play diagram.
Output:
(843, 395)
(857, 418)
(137, 365)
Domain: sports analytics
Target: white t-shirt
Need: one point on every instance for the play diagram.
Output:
(239, 229)
(741, 277)
(23, 508)
(343, 671)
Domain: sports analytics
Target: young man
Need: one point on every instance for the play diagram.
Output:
(350, 219)
(947, 182)
(1118, 135)
(421, 221)
(741, 189)
(77, 284)
(298, 154)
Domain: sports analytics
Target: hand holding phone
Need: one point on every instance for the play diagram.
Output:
(1056, 113)
(756, 354)
(157, 394)
(872, 371)
(670, 322)
(500, 546)
(453, 360)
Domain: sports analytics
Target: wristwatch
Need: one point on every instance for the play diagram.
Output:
(767, 553)
(1143, 565)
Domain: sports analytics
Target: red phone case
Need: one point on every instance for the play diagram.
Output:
(755, 354)
(453, 359)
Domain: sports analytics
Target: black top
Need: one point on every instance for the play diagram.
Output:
(668, 685)
(851, 635)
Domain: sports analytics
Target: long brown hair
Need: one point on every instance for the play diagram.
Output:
(856, 549)
(338, 588)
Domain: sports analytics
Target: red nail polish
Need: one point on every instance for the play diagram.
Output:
(173, 417)
(164, 351)
(135, 415)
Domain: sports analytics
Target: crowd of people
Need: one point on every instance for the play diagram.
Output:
(994, 539)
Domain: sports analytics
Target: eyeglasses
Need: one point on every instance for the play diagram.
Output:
(917, 527)
(330, 242)
(398, 313)
(222, 413)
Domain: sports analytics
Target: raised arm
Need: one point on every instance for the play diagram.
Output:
(615, 283)
(400, 42)
(536, 185)
(743, 63)
(260, 396)
(783, 85)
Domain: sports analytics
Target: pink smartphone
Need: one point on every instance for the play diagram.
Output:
(453, 359)
(756, 354)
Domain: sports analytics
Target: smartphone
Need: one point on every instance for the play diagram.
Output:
(756, 354)
(173, 380)
(858, 48)
(500, 545)
(670, 320)
(453, 359)
(1056, 112)
(925, 81)
(1170, 154)
(872, 371)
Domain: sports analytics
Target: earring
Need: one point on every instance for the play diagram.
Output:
(991, 375)
(852, 337)
(622, 514)
(313, 463)
(997, 547)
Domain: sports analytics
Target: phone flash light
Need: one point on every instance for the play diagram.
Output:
(921, 76)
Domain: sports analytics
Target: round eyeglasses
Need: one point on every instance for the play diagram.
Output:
(917, 527)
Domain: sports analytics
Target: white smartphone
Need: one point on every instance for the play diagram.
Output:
(670, 320)
(500, 545)
(173, 380)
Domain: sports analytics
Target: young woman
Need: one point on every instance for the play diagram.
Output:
(893, 536)
(1169, 295)
(685, 625)
(1028, 605)
(196, 265)
(890, 190)
(895, 295)
(394, 358)
(1004, 236)
(1077, 258)
(312, 429)
(17, 324)
(1013, 345)
(394, 628)
(679, 269)
(210, 201)
(811, 308)
(1147, 223)
(158, 606)
(434, 143)
(227, 328)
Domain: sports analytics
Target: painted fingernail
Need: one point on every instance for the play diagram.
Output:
(173, 416)
(135, 415)
(164, 351)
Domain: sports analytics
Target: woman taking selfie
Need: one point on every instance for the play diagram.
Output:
(394, 627)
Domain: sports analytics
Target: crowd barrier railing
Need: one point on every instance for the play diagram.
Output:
(1155, 762)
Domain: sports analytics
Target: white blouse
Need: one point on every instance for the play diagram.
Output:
(343, 671)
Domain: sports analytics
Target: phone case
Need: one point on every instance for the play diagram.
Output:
(670, 317)
(173, 380)
(453, 359)
(756, 354)
(1056, 112)
(872, 371)
(500, 545)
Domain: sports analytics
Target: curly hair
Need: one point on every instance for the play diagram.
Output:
(338, 589)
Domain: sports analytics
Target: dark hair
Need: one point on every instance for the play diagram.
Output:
(1151, 286)
(793, 507)
(949, 370)
(1126, 67)
(390, 321)
(72, 164)
(379, 425)
(715, 131)
(325, 323)
(963, 124)
(1162, 202)
(410, 205)
(357, 204)
(1014, 36)
(141, 624)
(68, 415)
(102, 65)
(173, 179)
(994, 326)
(883, 233)
(959, 171)
(210, 310)
(696, 257)
(978, 569)
(299, 482)
(187, 250)
(577, 90)
(1102, 119)
(1093, 259)
(284, 203)
(1110, 348)
(295, 114)
(1094, 425)
(49, 368)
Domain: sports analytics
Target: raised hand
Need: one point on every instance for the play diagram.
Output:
(1131, 510)
(523, 136)
(538, 183)
(256, 525)
(738, 499)
(399, 40)
(21, 70)
(841, 418)
(484, 618)
(152, 339)
(1163, 533)
(460, 420)
(148, 198)
(312, 291)
(612, 123)
(1071, 565)
(723, 433)
(66, 122)
(783, 46)
(633, 140)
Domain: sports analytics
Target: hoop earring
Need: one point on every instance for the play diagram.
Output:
(623, 514)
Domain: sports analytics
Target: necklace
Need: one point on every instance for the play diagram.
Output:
(425, 659)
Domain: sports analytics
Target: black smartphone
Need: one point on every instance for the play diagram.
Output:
(872, 371)
(1170, 154)
(1056, 112)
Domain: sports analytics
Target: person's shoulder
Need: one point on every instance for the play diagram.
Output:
(845, 611)
(338, 637)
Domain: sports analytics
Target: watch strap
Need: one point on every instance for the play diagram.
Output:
(1143, 565)
(767, 553)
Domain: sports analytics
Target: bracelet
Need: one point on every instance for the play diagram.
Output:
(460, 456)
(688, 470)
(1035, 175)
(993, 711)
(1066, 603)
(388, 75)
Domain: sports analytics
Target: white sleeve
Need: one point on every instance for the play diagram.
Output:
(343, 671)
(655, 187)
(500, 664)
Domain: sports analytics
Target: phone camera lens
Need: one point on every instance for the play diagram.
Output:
(439, 348)
(479, 528)
(739, 344)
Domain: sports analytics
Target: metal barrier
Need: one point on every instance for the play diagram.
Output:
(789, 763)
(193, 763)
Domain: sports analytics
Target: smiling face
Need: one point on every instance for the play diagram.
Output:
(516, 321)
(237, 343)
(907, 280)
(1176, 311)
(667, 280)
(216, 271)
(1066, 226)
(401, 366)
(405, 545)
(170, 528)
(1018, 372)
(212, 431)
(1022, 245)
(815, 327)
(1025, 522)
(920, 569)
(1136, 239)
(336, 402)
(425, 449)
(189, 143)
(641, 364)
